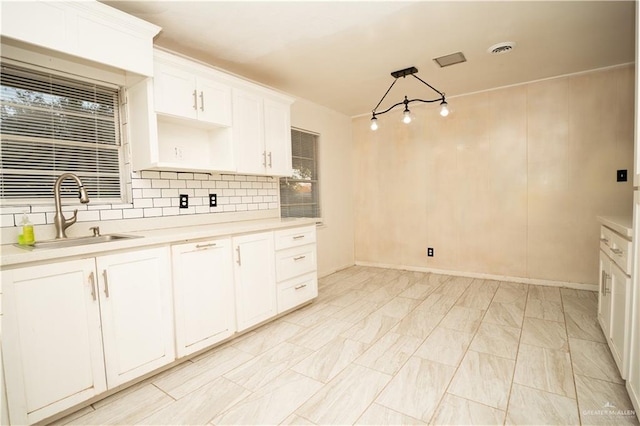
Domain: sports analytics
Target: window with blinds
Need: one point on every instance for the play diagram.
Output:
(299, 196)
(52, 125)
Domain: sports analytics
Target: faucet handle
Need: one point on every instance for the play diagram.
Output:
(96, 231)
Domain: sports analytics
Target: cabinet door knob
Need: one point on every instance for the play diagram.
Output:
(195, 100)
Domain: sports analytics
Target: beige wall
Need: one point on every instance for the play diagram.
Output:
(335, 236)
(509, 184)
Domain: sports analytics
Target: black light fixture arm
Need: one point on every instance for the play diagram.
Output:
(403, 73)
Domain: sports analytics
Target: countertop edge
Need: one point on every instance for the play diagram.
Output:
(12, 256)
(621, 224)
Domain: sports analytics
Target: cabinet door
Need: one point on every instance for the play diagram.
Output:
(248, 133)
(620, 289)
(175, 91)
(277, 137)
(203, 294)
(52, 345)
(254, 279)
(604, 294)
(633, 380)
(214, 102)
(137, 319)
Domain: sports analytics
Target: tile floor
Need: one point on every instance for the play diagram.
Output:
(383, 346)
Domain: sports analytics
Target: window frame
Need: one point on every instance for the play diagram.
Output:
(314, 182)
(120, 129)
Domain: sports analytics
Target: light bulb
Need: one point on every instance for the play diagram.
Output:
(444, 109)
(406, 116)
(374, 123)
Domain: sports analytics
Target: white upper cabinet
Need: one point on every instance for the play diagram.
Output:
(181, 93)
(85, 29)
(193, 117)
(262, 134)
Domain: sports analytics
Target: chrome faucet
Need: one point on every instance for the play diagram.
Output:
(59, 220)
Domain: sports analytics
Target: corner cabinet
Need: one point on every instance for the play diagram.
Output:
(614, 295)
(192, 117)
(74, 329)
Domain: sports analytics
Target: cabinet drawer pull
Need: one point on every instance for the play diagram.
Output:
(92, 281)
(195, 100)
(617, 251)
(264, 158)
(297, 237)
(106, 283)
(604, 240)
(298, 287)
(204, 246)
(295, 259)
(270, 160)
(239, 261)
(201, 100)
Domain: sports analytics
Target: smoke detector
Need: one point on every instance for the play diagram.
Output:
(500, 48)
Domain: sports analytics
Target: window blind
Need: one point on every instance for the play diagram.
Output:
(299, 195)
(52, 124)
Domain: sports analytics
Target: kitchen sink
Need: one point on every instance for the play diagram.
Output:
(73, 242)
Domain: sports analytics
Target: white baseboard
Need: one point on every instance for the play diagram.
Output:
(535, 281)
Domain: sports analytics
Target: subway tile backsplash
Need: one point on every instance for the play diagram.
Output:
(157, 193)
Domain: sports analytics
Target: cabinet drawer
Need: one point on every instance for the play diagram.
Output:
(295, 261)
(295, 237)
(297, 291)
(621, 252)
(606, 239)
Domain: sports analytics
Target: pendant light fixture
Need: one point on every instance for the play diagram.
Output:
(406, 115)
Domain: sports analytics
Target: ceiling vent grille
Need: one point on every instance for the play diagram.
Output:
(500, 48)
(452, 59)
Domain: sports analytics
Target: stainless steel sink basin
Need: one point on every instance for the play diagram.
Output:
(73, 242)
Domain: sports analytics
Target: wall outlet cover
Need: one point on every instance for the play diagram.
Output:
(213, 200)
(430, 251)
(622, 176)
(184, 201)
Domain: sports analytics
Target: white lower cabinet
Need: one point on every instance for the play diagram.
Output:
(255, 283)
(137, 315)
(51, 342)
(296, 266)
(74, 329)
(57, 316)
(203, 294)
(614, 295)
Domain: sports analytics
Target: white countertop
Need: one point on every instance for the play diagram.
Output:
(11, 255)
(621, 224)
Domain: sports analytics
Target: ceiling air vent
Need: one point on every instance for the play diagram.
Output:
(504, 47)
(452, 59)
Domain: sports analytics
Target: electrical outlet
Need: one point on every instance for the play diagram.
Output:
(213, 200)
(430, 251)
(184, 201)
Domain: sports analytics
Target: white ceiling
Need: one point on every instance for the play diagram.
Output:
(340, 54)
